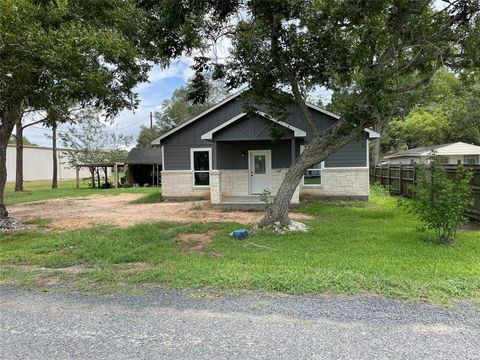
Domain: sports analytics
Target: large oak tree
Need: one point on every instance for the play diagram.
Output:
(59, 52)
(366, 49)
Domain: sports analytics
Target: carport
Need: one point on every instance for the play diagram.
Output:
(144, 167)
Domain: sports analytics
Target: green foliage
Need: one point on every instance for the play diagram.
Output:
(25, 141)
(446, 111)
(440, 201)
(90, 143)
(352, 248)
(39, 191)
(151, 198)
(178, 109)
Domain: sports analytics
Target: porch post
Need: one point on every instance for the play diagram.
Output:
(214, 155)
(215, 187)
(293, 150)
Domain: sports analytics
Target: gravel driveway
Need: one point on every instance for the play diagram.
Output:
(197, 325)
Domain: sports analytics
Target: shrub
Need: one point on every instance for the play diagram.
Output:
(440, 201)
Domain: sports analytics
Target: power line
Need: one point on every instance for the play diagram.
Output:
(103, 131)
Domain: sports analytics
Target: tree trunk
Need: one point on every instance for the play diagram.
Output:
(98, 177)
(375, 150)
(19, 160)
(54, 153)
(8, 116)
(319, 149)
(92, 171)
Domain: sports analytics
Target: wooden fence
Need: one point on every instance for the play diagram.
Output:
(400, 178)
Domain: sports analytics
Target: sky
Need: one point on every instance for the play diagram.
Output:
(162, 83)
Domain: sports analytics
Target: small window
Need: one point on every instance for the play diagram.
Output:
(201, 167)
(444, 160)
(312, 176)
(470, 161)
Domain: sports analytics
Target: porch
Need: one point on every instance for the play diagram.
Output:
(232, 189)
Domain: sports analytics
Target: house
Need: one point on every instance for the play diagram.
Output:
(38, 163)
(144, 166)
(228, 155)
(455, 153)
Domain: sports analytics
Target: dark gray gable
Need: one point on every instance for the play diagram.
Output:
(191, 133)
(252, 126)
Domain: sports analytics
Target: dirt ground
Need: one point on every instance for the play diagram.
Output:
(73, 213)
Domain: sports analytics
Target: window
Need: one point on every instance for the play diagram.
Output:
(444, 160)
(313, 176)
(470, 160)
(201, 159)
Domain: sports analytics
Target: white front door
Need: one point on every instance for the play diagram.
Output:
(260, 167)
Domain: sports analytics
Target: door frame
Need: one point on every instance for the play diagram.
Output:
(268, 168)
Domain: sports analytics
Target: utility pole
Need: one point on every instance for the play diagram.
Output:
(151, 121)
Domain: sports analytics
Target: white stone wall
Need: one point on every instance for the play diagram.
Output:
(234, 182)
(180, 184)
(340, 182)
(215, 187)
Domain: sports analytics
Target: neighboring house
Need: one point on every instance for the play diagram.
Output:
(455, 153)
(144, 166)
(38, 164)
(229, 156)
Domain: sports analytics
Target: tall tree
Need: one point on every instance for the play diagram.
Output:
(364, 47)
(447, 111)
(179, 108)
(90, 142)
(89, 52)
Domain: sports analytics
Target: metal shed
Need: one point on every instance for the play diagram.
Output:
(144, 167)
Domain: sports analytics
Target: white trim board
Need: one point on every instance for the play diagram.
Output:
(192, 150)
(296, 131)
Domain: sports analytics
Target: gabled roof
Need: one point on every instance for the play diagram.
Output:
(226, 100)
(296, 131)
(458, 148)
(144, 156)
(372, 134)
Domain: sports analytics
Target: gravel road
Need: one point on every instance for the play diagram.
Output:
(164, 324)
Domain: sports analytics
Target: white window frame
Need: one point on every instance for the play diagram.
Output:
(192, 151)
(466, 158)
(322, 166)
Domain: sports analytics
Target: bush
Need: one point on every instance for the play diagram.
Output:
(440, 201)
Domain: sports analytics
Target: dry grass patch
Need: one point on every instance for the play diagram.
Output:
(197, 242)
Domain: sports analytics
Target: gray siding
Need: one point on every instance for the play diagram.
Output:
(353, 154)
(177, 146)
(250, 127)
(230, 153)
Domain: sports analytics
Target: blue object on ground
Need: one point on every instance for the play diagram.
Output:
(240, 233)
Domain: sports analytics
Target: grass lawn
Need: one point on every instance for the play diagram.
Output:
(41, 190)
(352, 248)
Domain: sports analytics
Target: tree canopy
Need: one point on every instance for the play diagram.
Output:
(25, 141)
(179, 108)
(446, 111)
(90, 142)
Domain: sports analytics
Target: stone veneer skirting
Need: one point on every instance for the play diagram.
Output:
(179, 183)
(340, 182)
(336, 182)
